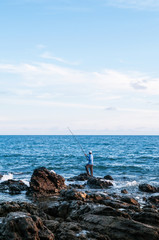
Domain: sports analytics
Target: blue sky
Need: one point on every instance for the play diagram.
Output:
(91, 65)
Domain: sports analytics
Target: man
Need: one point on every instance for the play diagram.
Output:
(90, 163)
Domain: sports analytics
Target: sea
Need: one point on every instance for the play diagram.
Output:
(130, 160)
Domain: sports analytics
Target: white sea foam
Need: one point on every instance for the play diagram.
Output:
(7, 177)
(130, 184)
(26, 182)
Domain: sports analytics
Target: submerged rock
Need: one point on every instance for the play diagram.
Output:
(45, 183)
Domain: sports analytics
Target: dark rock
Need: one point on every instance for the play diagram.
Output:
(124, 191)
(130, 200)
(72, 194)
(98, 183)
(97, 197)
(108, 177)
(7, 207)
(81, 177)
(76, 186)
(23, 226)
(52, 225)
(154, 199)
(1, 176)
(109, 211)
(45, 183)
(121, 205)
(150, 218)
(13, 186)
(147, 188)
(118, 228)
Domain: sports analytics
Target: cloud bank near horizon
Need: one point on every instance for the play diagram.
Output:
(45, 88)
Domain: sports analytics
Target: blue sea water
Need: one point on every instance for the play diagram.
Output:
(130, 160)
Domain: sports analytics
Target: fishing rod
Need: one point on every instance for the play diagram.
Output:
(77, 141)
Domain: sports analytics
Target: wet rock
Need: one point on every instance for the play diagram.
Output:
(45, 183)
(124, 191)
(81, 177)
(147, 188)
(108, 177)
(72, 194)
(1, 176)
(76, 186)
(13, 186)
(130, 201)
(98, 183)
(23, 226)
(97, 197)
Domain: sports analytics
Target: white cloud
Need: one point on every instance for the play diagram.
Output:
(99, 83)
(47, 55)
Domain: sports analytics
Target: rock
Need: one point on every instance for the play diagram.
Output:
(121, 205)
(150, 218)
(52, 225)
(81, 177)
(108, 177)
(154, 199)
(118, 228)
(73, 194)
(73, 231)
(13, 186)
(124, 191)
(7, 207)
(97, 197)
(109, 211)
(23, 226)
(45, 183)
(98, 183)
(76, 186)
(1, 176)
(130, 201)
(147, 188)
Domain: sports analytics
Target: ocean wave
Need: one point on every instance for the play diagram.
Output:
(7, 177)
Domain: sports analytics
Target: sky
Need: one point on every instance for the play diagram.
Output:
(90, 65)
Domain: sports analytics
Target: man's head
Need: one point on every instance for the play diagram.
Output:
(90, 152)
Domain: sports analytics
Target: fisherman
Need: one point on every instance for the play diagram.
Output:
(90, 163)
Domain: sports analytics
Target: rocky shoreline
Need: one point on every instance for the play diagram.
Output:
(73, 212)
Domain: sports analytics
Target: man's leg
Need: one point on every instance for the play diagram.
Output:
(87, 169)
(91, 168)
